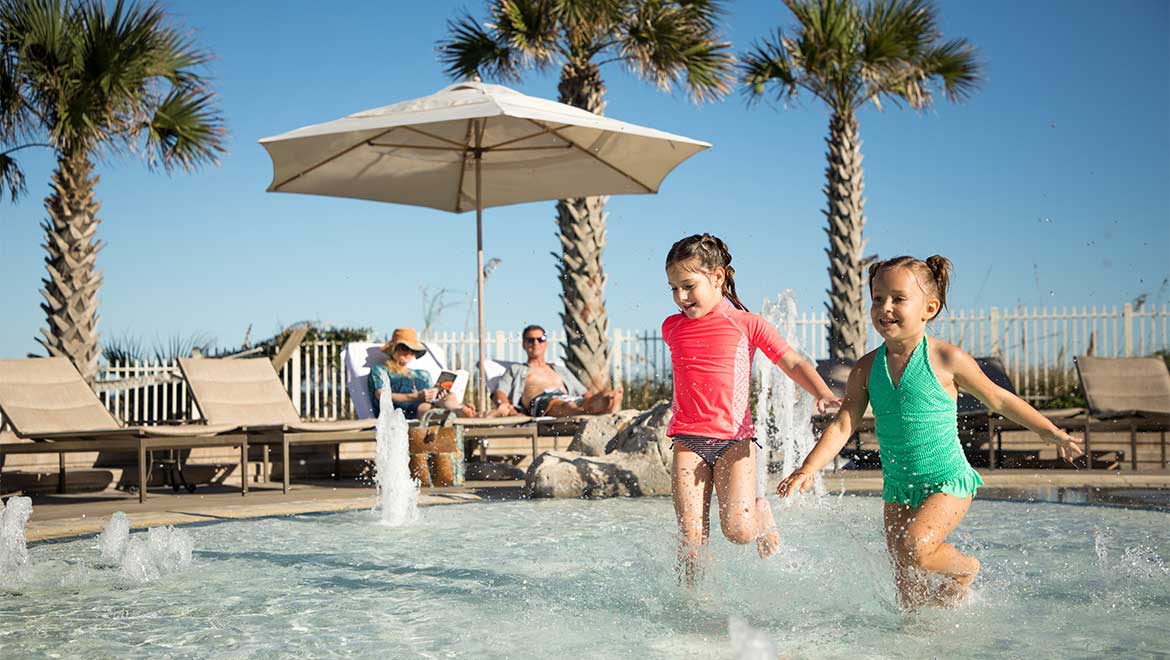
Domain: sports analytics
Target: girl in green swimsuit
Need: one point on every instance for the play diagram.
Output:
(912, 383)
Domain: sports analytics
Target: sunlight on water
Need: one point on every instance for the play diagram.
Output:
(542, 579)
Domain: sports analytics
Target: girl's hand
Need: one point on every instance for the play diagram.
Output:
(825, 404)
(799, 481)
(428, 394)
(1067, 447)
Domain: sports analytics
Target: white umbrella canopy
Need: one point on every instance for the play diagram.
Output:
(472, 146)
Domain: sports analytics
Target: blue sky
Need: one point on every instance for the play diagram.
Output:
(1048, 187)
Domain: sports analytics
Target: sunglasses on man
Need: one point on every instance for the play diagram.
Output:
(536, 340)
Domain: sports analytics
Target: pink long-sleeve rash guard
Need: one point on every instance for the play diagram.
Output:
(712, 359)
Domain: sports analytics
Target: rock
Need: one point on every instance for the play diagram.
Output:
(646, 433)
(553, 474)
(636, 459)
(570, 474)
(597, 430)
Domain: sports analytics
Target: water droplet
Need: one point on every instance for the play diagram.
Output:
(1052, 293)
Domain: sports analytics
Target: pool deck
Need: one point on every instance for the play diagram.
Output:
(65, 516)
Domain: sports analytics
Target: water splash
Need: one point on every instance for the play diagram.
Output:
(749, 643)
(783, 410)
(112, 541)
(397, 492)
(165, 550)
(1100, 546)
(13, 550)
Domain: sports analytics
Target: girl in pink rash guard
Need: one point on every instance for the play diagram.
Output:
(712, 340)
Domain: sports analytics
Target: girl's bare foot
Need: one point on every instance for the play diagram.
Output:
(768, 540)
(955, 589)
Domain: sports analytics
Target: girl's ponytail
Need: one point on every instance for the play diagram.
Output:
(728, 272)
(940, 270)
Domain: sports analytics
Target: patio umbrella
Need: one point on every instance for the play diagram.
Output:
(471, 146)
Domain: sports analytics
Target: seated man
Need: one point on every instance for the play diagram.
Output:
(541, 389)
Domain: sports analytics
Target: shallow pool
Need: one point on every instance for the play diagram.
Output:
(595, 579)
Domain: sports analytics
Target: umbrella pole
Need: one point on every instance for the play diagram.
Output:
(479, 278)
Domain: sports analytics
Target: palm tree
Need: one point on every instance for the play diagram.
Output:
(671, 43)
(847, 54)
(89, 82)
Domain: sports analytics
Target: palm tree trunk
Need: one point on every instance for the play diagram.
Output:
(581, 230)
(70, 290)
(844, 189)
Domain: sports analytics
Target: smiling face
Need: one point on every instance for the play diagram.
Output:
(901, 305)
(695, 291)
(535, 343)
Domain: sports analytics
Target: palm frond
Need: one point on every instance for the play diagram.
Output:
(186, 131)
(958, 67)
(528, 27)
(768, 65)
(705, 15)
(11, 178)
(673, 46)
(471, 50)
(902, 59)
(588, 18)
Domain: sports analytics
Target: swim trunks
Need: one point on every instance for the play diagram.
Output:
(539, 404)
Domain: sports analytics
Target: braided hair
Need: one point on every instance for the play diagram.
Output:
(707, 252)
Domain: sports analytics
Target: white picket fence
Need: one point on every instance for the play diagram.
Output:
(1036, 345)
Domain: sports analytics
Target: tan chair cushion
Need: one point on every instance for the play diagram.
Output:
(49, 396)
(339, 425)
(1118, 387)
(239, 392)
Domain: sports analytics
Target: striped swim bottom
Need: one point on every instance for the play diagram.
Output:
(710, 449)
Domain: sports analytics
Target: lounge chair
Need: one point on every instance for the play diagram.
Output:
(975, 420)
(1126, 394)
(47, 401)
(360, 357)
(248, 393)
(1119, 392)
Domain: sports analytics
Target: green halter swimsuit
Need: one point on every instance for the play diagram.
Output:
(918, 433)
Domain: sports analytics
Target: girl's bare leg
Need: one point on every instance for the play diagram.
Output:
(919, 542)
(691, 492)
(910, 583)
(743, 516)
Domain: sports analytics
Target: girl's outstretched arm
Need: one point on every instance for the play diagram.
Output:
(835, 435)
(805, 375)
(971, 378)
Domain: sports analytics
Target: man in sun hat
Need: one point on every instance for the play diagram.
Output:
(542, 389)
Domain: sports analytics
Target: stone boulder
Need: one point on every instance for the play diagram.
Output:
(596, 431)
(636, 459)
(645, 433)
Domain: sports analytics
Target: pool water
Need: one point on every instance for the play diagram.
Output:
(595, 579)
